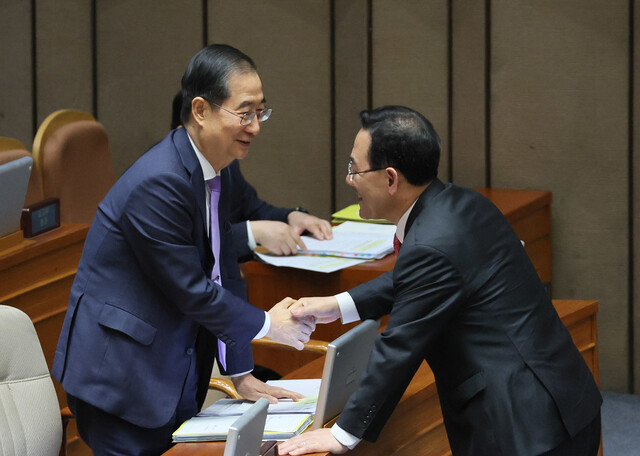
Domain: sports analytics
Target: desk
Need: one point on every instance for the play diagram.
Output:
(416, 425)
(528, 212)
(36, 277)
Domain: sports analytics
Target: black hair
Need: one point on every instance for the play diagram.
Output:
(207, 75)
(176, 107)
(403, 139)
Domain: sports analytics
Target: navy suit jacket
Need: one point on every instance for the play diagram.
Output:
(142, 306)
(465, 297)
(245, 205)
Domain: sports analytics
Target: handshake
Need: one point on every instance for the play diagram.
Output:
(292, 322)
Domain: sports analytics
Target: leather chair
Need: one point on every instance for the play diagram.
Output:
(12, 149)
(71, 151)
(30, 417)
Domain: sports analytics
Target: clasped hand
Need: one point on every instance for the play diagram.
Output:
(288, 329)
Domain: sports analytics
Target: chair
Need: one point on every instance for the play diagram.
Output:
(71, 151)
(12, 149)
(30, 416)
(225, 386)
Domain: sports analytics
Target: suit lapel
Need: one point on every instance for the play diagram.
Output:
(193, 168)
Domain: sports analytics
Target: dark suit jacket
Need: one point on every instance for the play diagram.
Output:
(245, 205)
(465, 297)
(142, 301)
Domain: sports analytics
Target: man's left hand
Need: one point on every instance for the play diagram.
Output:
(253, 389)
(317, 441)
(319, 228)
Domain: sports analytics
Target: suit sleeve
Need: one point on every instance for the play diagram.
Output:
(374, 299)
(247, 205)
(157, 222)
(428, 292)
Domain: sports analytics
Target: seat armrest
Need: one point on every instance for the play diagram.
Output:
(224, 385)
(66, 416)
(313, 346)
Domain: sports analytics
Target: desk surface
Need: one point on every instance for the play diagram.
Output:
(417, 421)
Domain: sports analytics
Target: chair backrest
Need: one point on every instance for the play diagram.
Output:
(11, 149)
(30, 422)
(71, 150)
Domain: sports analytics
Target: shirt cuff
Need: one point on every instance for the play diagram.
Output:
(241, 373)
(265, 327)
(342, 436)
(348, 310)
(251, 241)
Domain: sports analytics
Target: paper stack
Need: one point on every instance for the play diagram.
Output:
(284, 419)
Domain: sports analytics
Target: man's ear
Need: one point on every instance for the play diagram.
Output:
(393, 178)
(198, 108)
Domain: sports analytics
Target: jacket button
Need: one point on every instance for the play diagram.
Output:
(189, 351)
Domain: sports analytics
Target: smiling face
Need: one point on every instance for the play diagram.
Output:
(371, 187)
(219, 135)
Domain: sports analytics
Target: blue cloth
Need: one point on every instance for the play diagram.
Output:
(143, 311)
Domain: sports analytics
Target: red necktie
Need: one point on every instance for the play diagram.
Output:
(396, 244)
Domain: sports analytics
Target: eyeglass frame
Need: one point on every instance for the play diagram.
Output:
(351, 173)
(248, 117)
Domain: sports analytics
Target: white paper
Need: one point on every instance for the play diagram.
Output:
(310, 263)
(305, 386)
(360, 227)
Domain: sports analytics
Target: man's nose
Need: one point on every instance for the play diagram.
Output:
(253, 127)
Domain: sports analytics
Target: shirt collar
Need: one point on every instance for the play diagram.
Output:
(402, 223)
(207, 170)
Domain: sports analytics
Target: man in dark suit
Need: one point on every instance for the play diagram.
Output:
(463, 296)
(155, 298)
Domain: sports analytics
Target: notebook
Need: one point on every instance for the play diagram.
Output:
(14, 181)
(347, 358)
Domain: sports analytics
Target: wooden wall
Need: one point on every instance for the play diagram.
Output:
(528, 94)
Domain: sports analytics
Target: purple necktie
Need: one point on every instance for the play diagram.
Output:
(214, 230)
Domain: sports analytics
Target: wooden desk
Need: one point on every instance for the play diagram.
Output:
(528, 212)
(416, 425)
(36, 277)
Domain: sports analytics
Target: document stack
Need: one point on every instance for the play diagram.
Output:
(284, 419)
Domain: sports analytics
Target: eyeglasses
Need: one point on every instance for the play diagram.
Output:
(247, 117)
(351, 173)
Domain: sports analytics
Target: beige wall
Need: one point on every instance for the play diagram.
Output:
(529, 94)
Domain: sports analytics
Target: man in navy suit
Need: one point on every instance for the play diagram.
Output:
(151, 305)
(256, 222)
(463, 296)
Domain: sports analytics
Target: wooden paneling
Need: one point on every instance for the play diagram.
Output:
(290, 161)
(143, 48)
(559, 87)
(16, 94)
(410, 61)
(634, 299)
(468, 72)
(64, 50)
(351, 84)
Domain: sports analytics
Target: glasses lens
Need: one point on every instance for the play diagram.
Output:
(247, 118)
(263, 116)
